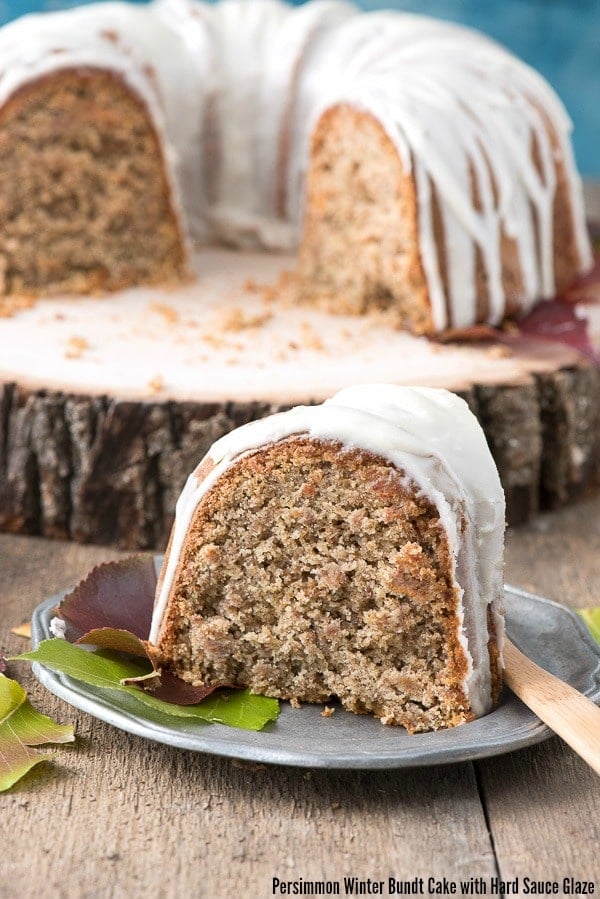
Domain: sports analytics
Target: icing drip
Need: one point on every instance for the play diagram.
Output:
(235, 89)
(469, 115)
(436, 441)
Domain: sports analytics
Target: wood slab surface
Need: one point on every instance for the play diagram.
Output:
(117, 816)
(107, 404)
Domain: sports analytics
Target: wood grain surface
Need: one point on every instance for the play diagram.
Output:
(117, 816)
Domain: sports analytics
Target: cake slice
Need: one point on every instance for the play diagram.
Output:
(351, 550)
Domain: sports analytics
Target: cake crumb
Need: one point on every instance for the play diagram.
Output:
(213, 340)
(236, 319)
(327, 712)
(270, 293)
(310, 339)
(285, 290)
(169, 314)
(76, 347)
(295, 704)
(156, 384)
(499, 351)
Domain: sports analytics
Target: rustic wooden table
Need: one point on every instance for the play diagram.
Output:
(118, 816)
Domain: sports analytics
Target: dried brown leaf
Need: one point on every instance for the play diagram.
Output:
(22, 630)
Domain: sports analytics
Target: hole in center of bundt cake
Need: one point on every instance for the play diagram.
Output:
(313, 571)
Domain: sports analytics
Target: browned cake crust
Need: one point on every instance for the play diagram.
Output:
(84, 201)
(360, 243)
(311, 570)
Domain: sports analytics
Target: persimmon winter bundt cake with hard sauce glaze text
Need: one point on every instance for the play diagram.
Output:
(352, 549)
(416, 166)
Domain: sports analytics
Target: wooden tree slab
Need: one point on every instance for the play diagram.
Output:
(107, 404)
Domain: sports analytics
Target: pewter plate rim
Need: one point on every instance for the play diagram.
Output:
(547, 631)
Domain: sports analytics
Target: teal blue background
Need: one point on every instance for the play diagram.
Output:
(560, 38)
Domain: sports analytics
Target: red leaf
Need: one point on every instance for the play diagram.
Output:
(172, 689)
(558, 322)
(118, 595)
(554, 320)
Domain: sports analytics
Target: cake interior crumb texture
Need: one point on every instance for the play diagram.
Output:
(314, 571)
(359, 249)
(84, 201)
(360, 243)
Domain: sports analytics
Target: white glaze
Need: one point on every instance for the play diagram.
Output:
(430, 435)
(236, 89)
(132, 42)
(457, 105)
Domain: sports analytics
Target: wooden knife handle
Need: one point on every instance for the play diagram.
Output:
(567, 712)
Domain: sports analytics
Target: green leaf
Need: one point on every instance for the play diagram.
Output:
(240, 708)
(98, 669)
(235, 708)
(12, 695)
(592, 618)
(35, 729)
(16, 759)
(22, 727)
(107, 671)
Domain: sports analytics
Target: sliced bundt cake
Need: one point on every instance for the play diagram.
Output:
(352, 549)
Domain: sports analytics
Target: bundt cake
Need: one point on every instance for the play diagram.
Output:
(417, 166)
(352, 549)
